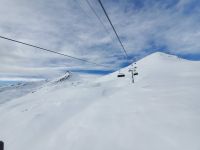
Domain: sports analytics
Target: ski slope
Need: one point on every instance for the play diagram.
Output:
(159, 112)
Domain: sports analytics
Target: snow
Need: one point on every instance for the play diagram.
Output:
(159, 111)
(15, 90)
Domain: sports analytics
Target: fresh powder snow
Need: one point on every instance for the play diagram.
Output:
(160, 111)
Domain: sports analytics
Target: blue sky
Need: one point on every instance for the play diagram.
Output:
(70, 27)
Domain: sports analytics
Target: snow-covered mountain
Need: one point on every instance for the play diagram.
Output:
(160, 111)
(17, 90)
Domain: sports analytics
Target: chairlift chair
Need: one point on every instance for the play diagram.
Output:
(120, 75)
(135, 74)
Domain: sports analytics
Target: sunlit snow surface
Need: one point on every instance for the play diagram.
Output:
(161, 111)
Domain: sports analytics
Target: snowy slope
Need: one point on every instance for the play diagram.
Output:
(17, 90)
(159, 112)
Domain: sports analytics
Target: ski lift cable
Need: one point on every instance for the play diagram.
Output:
(98, 17)
(52, 51)
(113, 28)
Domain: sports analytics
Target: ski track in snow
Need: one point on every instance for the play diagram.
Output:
(159, 112)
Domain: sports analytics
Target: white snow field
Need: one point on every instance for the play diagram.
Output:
(161, 111)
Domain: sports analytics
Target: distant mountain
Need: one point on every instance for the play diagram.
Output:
(16, 90)
(160, 111)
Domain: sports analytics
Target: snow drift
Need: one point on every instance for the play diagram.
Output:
(159, 112)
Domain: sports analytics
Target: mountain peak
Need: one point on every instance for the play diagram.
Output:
(159, 56)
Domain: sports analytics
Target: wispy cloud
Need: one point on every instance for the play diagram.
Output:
(70, 27)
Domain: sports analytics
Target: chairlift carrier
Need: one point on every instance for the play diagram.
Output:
(120, 75)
